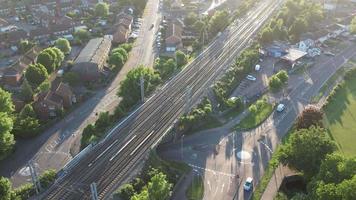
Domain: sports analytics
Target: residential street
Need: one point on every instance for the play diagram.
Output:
(220, 154)
(57, 145)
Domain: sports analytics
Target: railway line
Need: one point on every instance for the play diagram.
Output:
(127, 144)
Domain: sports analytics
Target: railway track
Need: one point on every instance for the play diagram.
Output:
(113, 158)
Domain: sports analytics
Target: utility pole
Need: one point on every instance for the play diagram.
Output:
(94, 192)
(35, 180)
(142, 86)
(188, 95)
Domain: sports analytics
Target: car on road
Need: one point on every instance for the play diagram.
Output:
(257, 67)
(280, 107)
(248, 184)
(251, 78)
(151, 27)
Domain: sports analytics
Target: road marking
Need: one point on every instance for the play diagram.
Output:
(102, 153)
(138, 146)
(267, 147)
(209, 185)
(212, 171)
(117, 153)
(222, 187)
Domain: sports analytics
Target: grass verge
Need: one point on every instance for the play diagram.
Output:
(340, 119)
(255, 118)
(196, 189)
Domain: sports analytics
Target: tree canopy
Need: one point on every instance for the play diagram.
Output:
(5, 189)
(181, 58)
(6, 138)
(306, 149)
(218, 22)
(6, 104)
(64, 45)
(36, 74)
(311, 116)
(102, 9)
(159, 188)
(130, 86)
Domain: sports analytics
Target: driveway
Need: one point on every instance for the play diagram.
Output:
(57, 145)
(221, 154)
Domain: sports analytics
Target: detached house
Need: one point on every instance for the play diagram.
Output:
(124, 23)
(49, 103)
(174, 37)
(12, 75)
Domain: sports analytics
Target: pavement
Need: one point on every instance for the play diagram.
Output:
(221, 155)
(61, 142)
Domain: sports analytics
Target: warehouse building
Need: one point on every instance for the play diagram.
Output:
(91, 60)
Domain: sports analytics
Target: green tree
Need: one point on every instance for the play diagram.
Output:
(218, 22)
(36, 74)
(47, 60)
(26, 91)
(306, 149)
(104, 121)
(45, 86)
(283, 76)
(182, 59)
(27, 111)
(6, 104)
(159, 187)
(26, 127)
(6, 138)
(125, 192)
(266, 35)
(25, 45)
(126, 46)
(59, 56)
(102, 9)
(353, 25)
(130, 86)
(64, 45)
(143, 195)
(298, 27)
(165, 67)
(122, 51)
(275, 83)
(72, 78)
(5, 189)
(117, 59)
(190, 19)
(82, 35)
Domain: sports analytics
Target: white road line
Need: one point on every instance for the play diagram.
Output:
(222, 187)
(212, 171)
(102, 153)
(117, 153)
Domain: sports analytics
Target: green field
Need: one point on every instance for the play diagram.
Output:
(341, 118)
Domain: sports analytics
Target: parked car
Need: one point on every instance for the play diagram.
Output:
(251, 78)
(248, 184)
(280, 107)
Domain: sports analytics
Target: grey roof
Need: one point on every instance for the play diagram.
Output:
(94, 50)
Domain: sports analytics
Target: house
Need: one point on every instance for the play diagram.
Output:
(12, 75)
(13, 37)
(91, 60)
(174, 37)
(121, 35)
(48, 105)
(50, 102)
(124, 20)
(275, 50)
(293, 55)
(123, 24)
(304, 45)
(65, 92)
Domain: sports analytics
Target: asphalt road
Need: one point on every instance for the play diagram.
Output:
(57, 145)
(126, 145)
(216, 153)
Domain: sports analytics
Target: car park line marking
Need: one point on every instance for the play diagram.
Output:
(127, 143)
